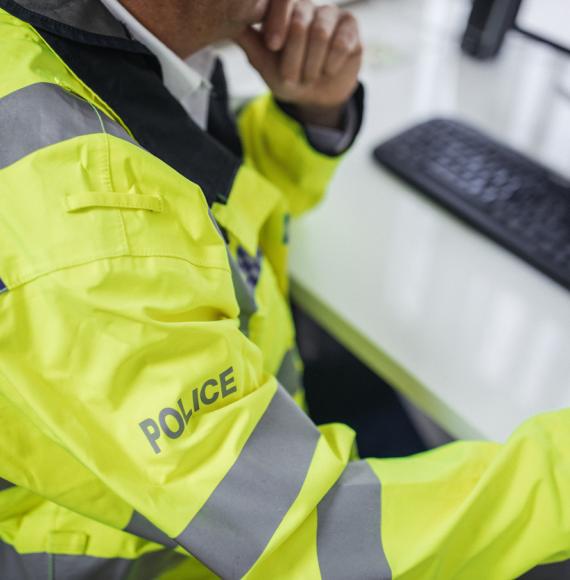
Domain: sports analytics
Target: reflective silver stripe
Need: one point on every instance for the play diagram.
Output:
(44, 114)
(5, 484)
(288, 375)
(236, 523)
(16, 566)
(143, 528)
(43, 566)
(349, 542)
(244, 296)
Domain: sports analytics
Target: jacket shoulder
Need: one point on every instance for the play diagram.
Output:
(75, 186)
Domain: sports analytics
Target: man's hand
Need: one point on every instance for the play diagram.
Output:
(309, 56)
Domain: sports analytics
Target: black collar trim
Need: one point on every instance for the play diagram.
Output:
(45, 23)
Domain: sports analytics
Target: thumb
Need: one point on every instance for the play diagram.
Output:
(261, 58)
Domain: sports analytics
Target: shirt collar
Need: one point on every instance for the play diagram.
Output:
(181, 78)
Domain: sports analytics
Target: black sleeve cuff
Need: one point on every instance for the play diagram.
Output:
(333, 142)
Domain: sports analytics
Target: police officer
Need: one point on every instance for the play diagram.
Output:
(149, 382)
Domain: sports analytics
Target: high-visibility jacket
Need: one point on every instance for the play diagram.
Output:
(143, 323)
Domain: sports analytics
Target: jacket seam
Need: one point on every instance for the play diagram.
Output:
(29, 278)
(109, 175)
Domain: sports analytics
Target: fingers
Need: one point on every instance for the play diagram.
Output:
(293, 56)
(320, 55)
(345, 44)
(319, 42)
(276, 24)
(322, 31)
(260, 57)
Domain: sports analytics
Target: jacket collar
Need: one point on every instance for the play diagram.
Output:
(84, 21)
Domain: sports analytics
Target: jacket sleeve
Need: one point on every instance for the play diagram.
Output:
(121, 355)
(141, 374)
(277, 147)
(479, 509)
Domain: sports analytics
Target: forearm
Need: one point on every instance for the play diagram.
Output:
(480, 510)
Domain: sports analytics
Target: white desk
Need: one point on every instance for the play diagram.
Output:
(475, 337)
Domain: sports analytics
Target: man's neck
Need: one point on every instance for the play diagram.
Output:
(173, 23)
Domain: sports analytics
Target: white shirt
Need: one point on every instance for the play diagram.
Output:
(188, 81)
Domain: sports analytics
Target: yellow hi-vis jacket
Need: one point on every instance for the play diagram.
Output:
(143, 431)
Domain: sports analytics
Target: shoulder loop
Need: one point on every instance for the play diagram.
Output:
(79, 201)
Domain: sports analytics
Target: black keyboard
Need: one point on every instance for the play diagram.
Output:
(503, 194)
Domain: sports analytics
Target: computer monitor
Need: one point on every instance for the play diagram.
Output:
(490, 20)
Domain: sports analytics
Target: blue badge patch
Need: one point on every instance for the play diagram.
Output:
(286, 228)
(250, 266)
(2, 287)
